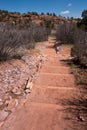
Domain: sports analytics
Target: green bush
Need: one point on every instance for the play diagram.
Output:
(83, 22)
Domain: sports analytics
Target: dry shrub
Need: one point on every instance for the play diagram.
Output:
(16, 40)
(39, 33)
(68, 33)
(65, 33)
(79, 50)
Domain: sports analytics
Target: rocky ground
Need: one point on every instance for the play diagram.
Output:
(16, 79)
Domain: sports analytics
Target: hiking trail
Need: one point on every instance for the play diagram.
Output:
(49, 106)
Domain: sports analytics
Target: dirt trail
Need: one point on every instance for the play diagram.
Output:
(52, 103)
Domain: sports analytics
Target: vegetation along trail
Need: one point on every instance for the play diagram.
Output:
(54, 103)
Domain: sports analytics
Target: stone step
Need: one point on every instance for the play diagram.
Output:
(55, 87)
(53, 95)
(55, 62)
(40, 116)
(58, 80)
(53, 69)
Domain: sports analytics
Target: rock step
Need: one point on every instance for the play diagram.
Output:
(53, 69)
(56, 87)
(40, 116)
(53, 95)
(59, 56)
(55, 63)
(58, 80)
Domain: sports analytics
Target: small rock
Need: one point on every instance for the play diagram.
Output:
(29, 85)
(1, 102)
(27, 91)
(1, 123)
(80, 118)
(6, 102)
(16, 91)
(12, 104)
(3, 115)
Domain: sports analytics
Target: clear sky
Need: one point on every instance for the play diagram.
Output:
(71, 8)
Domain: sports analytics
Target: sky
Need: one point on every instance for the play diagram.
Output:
(65, 8)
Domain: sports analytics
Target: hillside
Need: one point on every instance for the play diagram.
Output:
(47, 19)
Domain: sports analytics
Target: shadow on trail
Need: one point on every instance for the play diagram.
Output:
(76, 110)
(67, 61)
(75, 102)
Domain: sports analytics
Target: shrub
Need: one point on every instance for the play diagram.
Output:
(49, 24)
(12, 40)
(79, 51)
(65, 33)
(40, 33)
(16, 40)
(83, 22)
(69, 33)
(84, 14)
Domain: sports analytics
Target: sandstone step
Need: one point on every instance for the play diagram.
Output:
(55, 62)
(40, 116)
(52, 63)
(53, 69)
(53, 95)
(56, 87)
(58, 80)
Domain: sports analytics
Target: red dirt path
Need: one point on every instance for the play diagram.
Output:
(53, 102)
